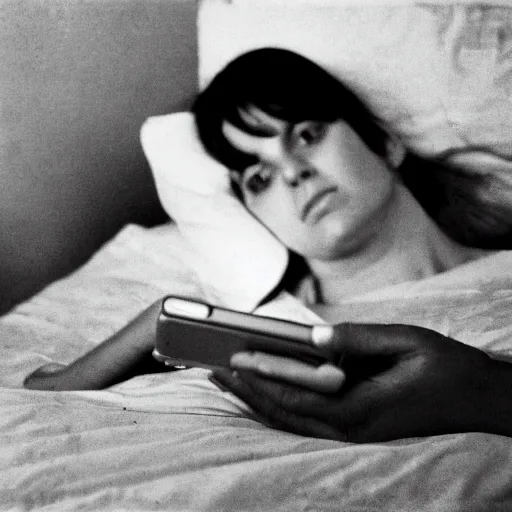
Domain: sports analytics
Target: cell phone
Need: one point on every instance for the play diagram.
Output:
(191, 333)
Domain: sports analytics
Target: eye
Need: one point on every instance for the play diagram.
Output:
(309, 133)
(257, 178)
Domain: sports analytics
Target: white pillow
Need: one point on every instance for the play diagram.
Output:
(236, 258)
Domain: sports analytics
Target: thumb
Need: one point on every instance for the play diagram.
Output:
(364, 340)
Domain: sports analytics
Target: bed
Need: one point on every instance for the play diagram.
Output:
(173, 441)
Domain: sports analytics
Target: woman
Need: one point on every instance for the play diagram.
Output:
(313, 165)
(286, 87)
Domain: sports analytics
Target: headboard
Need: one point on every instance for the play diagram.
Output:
(77, 79)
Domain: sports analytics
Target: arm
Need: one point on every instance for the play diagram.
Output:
(126, 354)
(401, 381)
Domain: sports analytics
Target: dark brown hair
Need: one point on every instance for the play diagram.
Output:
(284, 85)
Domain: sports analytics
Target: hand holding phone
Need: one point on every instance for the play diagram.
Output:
(196, 334)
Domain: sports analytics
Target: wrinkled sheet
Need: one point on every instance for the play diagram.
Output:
(173, 441)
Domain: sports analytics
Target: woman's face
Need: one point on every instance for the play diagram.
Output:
(316, 185)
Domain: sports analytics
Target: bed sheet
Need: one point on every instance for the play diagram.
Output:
(173, 441)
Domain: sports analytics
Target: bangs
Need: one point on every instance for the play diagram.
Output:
(283, 85)
(289, 108)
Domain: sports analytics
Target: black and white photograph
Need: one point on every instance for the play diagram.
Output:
(256, 255)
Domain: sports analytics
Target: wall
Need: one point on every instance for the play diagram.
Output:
(77, 79)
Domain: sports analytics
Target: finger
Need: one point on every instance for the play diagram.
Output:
(270, 413)
(325, 378)
(274, 398)
(47, 377)
(277, 394)
(365, 340)
(346, 415)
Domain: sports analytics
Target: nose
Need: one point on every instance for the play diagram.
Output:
(297, 171)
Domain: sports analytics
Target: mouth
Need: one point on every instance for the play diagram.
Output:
(315, 201)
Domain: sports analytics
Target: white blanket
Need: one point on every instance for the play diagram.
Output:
(173, 441)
